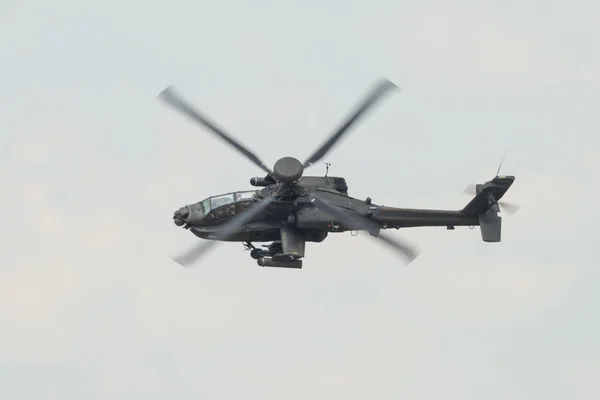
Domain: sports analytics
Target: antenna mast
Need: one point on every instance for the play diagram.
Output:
(501, 162)
(327, 168)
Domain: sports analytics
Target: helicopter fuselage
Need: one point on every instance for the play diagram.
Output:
(292, 209)
(206, 217)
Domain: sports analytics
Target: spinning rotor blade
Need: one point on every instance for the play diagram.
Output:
(176, 101)
(354, 220)
(376, 93)
(510, 208)
(470, 190)
(227, 229)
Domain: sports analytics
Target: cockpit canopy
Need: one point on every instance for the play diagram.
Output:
(221, 200)
(214, 209)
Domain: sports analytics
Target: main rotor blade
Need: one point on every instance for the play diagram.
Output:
(227, 229)
(382, 87)
(360, 222)
(172, 98)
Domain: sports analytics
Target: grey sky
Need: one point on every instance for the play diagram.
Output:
(93, 165)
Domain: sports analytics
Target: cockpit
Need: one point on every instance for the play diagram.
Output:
(221, 200)
(215, 208)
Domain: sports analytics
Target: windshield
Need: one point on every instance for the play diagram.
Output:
(219, 201)
(206, 206)
(224, 199)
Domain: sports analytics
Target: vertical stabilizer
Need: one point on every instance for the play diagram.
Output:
(490, 225)
(485, 206)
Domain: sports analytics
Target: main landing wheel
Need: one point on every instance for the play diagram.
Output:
(258, 253)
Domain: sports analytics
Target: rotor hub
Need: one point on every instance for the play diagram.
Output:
(288, 169)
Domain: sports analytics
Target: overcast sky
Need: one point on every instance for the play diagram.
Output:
(93, 166)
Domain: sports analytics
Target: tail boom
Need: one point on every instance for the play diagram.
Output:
(392, 217)
(481, 211)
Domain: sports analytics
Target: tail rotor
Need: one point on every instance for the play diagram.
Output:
(474, 189)
(509, 208)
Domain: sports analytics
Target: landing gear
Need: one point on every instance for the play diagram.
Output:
(274, 249)
(258, 253)
(254, 252)
(272, 256)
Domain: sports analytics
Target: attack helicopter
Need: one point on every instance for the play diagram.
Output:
(291, 209)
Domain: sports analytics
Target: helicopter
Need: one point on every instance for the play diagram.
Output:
(291, 209)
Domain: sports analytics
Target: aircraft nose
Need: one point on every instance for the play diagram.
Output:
(181, 215)
(183, 212)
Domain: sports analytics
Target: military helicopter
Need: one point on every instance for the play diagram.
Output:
(292, 209)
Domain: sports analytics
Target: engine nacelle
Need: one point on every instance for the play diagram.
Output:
(313, 219)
